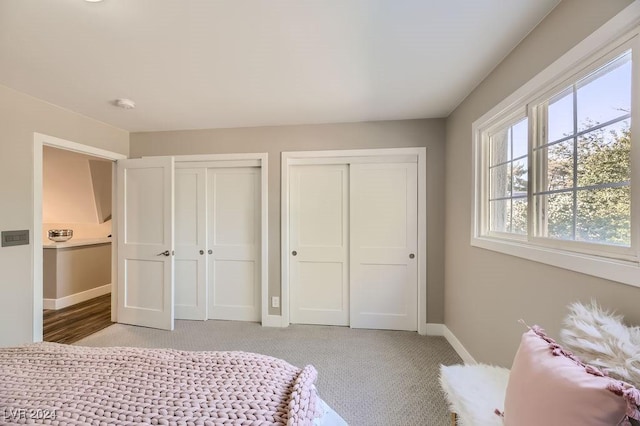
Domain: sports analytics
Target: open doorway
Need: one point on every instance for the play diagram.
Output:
(76, 225)
(72, 281)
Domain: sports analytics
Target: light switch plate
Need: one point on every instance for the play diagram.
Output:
(15, 238)
(275, 302)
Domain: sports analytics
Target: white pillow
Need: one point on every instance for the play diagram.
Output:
(600, 338)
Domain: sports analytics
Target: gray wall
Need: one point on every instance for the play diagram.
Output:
(274, 140)
(487, 292)
(72, 270)
(20, 116)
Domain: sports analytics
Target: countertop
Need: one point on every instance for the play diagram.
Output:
(76, 243)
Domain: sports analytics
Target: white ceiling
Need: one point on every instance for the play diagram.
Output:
(235, 63)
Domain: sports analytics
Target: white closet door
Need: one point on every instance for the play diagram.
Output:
(233, 217)
(191, 244)
(145, 242)
(384, 276)
(319, 229)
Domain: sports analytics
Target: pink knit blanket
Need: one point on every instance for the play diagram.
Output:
(50, 383)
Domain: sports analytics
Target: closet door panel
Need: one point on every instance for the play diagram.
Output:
(319, 272)
(384, 280)
(233, 215)
(191, 245)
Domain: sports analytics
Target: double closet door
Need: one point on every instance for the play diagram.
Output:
(217, 243)
(353, 242)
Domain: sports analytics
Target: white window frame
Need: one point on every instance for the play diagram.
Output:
(502, 122)
(600, 59)
(621, 264)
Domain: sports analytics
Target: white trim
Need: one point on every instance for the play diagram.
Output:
(75, 298)
(272, 321)
(78, 147)
(345, 157)
(422, 241)
(354, 160)
(433, 329)
(264, 182)
(342, 153)
(40, 140)
(260, 159)
(220, 157)
(613, 35)
(610, 269)
(216, 164)
(114, 240)
(284, 238)
(458, 347)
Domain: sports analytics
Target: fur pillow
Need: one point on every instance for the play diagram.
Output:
(601, 339)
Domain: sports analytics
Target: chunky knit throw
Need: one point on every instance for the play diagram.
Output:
(130, 386)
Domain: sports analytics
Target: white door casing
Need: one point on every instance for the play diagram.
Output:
(191, 243)
(145, 242)
(39, 141)
(383, 246)
(234, 236)
(318, 244)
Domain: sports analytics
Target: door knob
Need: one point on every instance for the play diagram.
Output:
(201, 251)
(210, 251)
(294, 253)
(164, 253)
(411, 256)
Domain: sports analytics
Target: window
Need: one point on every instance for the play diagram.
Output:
(582, 158)
(554, 170)
(508, 170)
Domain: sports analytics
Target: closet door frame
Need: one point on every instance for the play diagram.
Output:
(260, 160)
(359, 156)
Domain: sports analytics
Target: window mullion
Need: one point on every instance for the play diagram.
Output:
(574, 222)
(511, 178)
(538, 169)
(531, 167)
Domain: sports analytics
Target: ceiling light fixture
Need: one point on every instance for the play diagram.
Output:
(93, 1)
(124, 103)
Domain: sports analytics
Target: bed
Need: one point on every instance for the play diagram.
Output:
(49, 383)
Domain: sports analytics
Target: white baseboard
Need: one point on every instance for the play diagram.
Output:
(272, 321)
(458, 347)
(434, 329)
(72, 299)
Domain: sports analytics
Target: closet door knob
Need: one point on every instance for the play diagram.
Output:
(294, 253)
(210, 251)
(164, 253)
(201, 251)
(411, 256)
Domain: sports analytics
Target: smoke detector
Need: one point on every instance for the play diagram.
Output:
(125, 103)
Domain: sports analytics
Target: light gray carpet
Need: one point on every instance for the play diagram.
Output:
(369, 377)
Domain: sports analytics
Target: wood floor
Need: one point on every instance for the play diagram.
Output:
(71, 324)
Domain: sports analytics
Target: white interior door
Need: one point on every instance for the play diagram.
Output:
(145, 242)
(191, 243)
(384, 275)
(319, 230)
(233, 217)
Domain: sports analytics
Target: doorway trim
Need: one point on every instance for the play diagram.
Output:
(39, 141)
(349, 157)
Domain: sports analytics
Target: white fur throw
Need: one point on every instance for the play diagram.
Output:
(601, 339)
(474, 392)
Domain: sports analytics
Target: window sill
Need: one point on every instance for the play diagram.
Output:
(615, 270)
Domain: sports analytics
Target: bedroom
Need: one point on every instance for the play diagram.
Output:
(479, 303)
